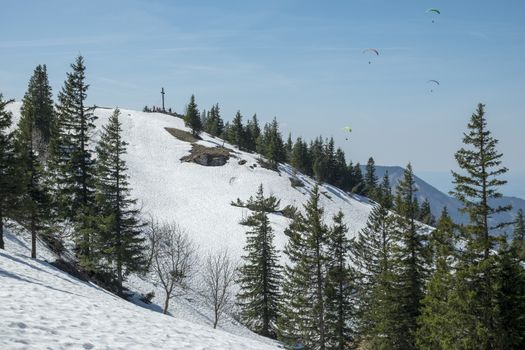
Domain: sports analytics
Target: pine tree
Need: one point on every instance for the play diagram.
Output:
(413, 259)
(260, 275)
(358, 181)
(8, 187)
(372, 253)
(479, 182)
(340, 288)
(518, 236)
(341, 178)
(385, 196)
(303, 316)
(436, 321)
(329, 156)
(214, 123)
(34, 201)
(270, 144)
(38, 101)
(71, 164)
(425, 214)
(192, 119)
(370, 180)
(509, 299)
(120, 245)
(237, 135)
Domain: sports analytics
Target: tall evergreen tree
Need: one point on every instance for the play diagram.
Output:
(120, 245)
(260, 275)
(518, 236)
(270, 143)
(38, 101)
(358, 181)
(475, 187)
(413, 259)
(425, 214)
(509, 299)
(385, 196)
(372, 253)
(34, 202)
(71, 164)
(7, 166)
(436, 331)
(340, 288)
(370, 180)
(192, 118)
(304, 309)
(237, 135)
(214, 123)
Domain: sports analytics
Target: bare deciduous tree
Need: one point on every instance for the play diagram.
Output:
(152, 233)
(174, 257)
(219, 275)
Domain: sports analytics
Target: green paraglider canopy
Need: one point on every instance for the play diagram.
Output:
(348, 130)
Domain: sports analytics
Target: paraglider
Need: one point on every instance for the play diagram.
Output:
(347, 130)
(436, 11)
(435, 82)
(371, 50)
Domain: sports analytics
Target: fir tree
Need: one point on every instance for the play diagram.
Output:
(253, 130)
(436, 326)
(358, 181)
(425, 214)
(479, 182)
(370, 180)
(340, 288)
(39, 103)
(71, 163)
(8, 188)
(34, 201)
(304, 310)
(329, 157)
(385, 196)
(372, 253)
(509, 299)
(237, 131)
(260, 275)
(120, 245)
(341, 178)
(270, 144)
(192, 119)
(214, 123)
(518, 236)
(413, 259)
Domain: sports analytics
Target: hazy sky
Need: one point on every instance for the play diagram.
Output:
(300, 61)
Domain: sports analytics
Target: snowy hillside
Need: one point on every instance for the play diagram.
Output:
(45, 308)
(198, 197)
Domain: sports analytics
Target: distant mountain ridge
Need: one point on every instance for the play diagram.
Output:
(438, 199)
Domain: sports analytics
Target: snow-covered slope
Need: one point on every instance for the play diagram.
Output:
(197, 197)
(43, 308)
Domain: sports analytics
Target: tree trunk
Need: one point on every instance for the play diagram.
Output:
(1, 229)
(33, 237)
(166, 303)
(216, 320)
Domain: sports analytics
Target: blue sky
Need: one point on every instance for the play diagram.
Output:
(300, 61)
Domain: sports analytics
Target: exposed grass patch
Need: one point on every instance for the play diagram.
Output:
(208, 156)
(183, 135)
(295, 182)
